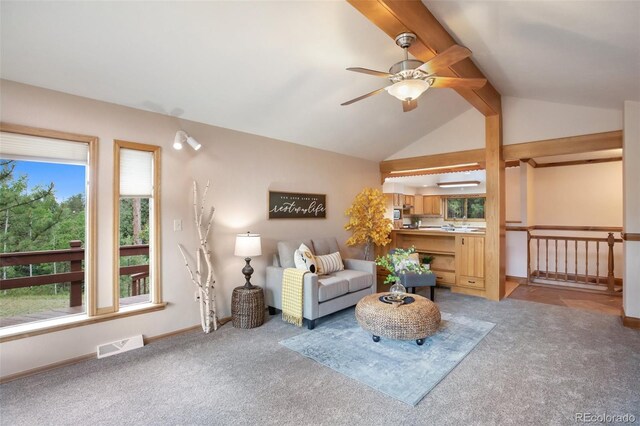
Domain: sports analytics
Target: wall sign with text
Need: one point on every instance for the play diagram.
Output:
(292, 205)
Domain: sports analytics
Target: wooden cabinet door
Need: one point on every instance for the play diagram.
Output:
(408, 200)
(418, 205)
(470, 256)
(436, 205)
(426, 204)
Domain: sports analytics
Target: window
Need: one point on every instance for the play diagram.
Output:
(47, 209)
(465, 208)
(137, 215)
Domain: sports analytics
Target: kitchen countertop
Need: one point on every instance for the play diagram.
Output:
(439, 231)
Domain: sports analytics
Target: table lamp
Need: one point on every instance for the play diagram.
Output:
(248, 245)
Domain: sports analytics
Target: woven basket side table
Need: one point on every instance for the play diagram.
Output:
(247, 307)
(415, 321)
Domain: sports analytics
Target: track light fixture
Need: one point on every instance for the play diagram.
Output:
(181, 137)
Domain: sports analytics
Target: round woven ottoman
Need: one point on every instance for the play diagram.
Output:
(414, 321)
(247, 307)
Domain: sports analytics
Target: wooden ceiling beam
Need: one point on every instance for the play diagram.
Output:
(397, 16)
(567, 145)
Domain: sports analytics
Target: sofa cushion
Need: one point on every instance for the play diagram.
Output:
(322, 246)
(329, 263)
(304, 259)
(286, 250)
(357, 280)
(331, 286)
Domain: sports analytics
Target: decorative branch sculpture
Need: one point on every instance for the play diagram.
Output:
(204, 282)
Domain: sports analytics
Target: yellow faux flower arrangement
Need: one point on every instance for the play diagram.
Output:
(367, 221)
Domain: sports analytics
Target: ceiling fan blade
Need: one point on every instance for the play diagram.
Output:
(452, 55)
(370, 72)
(458, 83)
(359, 98)
(409, 105)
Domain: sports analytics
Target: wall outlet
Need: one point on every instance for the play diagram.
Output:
(196, 296)
(177, 225)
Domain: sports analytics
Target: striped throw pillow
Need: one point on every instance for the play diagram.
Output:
(329, 263)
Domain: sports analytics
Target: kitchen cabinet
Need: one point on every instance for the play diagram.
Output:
(432, 205)
(408, 200)
(398, 200)
(458, 258)
(470, 261)
(418, 205)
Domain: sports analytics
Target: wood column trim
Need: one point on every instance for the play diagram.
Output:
(397, 16)
(495, 247)
(631, 322)
(630, 236)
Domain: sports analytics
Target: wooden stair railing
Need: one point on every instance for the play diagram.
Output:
(561, 245)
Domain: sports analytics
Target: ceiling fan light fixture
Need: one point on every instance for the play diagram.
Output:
(408, 90)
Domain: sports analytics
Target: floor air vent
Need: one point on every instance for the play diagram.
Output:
(120, 346)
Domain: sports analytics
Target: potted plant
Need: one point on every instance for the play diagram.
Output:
(367, 221)
(399, 262)
(426, 261)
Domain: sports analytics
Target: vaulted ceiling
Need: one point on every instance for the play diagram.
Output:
(276, 69)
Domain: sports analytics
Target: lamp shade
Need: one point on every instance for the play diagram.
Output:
(248, 245)
(408, 90)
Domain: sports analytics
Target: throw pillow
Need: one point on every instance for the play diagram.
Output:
(304, 259)
(329, 263)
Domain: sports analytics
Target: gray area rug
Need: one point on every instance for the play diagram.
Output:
(400, 369)
(540, 365)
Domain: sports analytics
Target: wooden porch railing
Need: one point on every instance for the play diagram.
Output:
(568, 271)
(74, 255)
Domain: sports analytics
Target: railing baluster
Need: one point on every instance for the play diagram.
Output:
(528, 256)
(538, 257)
(546, 262)
(566, 256)
(598, 262)
(586, 262)
(610, 278)
(556, 253)
(575, 273)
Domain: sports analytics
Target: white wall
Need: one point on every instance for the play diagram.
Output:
(512, 194)
(462, 133)
(524, 120)
(581, 195)
(631, 288)
(527, 120)
(241, 167)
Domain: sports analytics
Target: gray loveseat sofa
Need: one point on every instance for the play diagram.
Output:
(324, 294)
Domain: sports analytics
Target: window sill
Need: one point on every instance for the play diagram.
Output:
(72, 321)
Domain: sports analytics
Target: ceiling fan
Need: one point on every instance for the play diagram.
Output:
(410, 78)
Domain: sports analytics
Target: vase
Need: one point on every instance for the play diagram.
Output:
(397, 290)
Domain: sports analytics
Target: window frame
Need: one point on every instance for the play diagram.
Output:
(91, 219)
(465, 197)
(155, 235)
